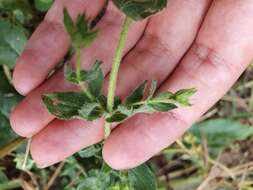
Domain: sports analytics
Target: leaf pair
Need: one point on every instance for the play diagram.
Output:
(80, 31)
(136, 103)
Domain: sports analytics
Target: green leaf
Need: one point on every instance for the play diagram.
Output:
(137, 94)
(3, 177)
(19, 160)
(182, 96)
(140, 9)
(90, 151)
(117, 117)
(90, 111)
(12, 42)
(80, 32)
(65, 105)
(142, 178)
(220, 133)
(162, 107)
(96, 78)
(69, 24)
(43, 5)
(164, 96)
(94, 74)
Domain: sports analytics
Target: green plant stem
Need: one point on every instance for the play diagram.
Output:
(78, 64)
(27, 153)
(116, 63)
(13, 145)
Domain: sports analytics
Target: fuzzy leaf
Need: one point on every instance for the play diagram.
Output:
(117, 117)
(65, 105)
(90, 111)
(142, 178)
(95, 77)
(89, 151)
(140, 9)
(162, 107)
(137, 94)
(80, 33)
(86, 76)
(182, 96)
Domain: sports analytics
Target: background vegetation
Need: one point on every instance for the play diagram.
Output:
(214, 154)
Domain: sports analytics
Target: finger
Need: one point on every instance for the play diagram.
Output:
(61, 139)
(30, 116)
(221, 52)
(179, 40)
(48, 44)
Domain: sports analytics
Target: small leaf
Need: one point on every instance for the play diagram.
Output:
(117, 102)
(182, 96)
(43, 5)
(80, 33)
(162, 107)
(152, 89)
(142, 178)
(137, 94)
(116, 117)
(65, 105)
(90, 111)
(68, 22)
(96, 79)
(140, 9)
(164, 96)
(89, 151)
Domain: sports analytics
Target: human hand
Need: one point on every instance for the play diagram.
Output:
(196, 43)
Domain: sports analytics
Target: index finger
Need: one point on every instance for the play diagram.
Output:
(49, 43)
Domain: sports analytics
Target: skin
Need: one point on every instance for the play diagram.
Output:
(195, 43)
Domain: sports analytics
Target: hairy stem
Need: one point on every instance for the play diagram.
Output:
(78, 64)
(27, 153)
(116, 63)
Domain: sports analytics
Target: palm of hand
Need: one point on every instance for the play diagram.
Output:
(203, 44)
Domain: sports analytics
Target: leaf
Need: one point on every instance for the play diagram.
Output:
(162, 107)
(152, 89)
(12, 42)
(117, 117)
(80, 32)
(89, 152)
(137, 94)
(142, 178)
(182, 96)
(220, 133)
(43, 5)
(96, 78)
(69, 24)
(96, 181)
(3, 177)
(65, 105)
(140, 9)
(19, 160)
(90, 111)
